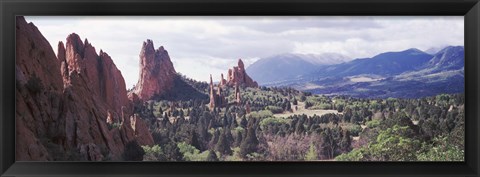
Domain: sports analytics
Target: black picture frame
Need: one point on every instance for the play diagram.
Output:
(470, 9)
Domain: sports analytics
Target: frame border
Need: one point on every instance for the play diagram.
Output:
(470, 9)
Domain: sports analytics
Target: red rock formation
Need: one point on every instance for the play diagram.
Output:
(37, 85)
(238, 96)
(156, 72)
(217, 98)
(141, 130)
(238, 75)
(63, 102)
(222, 81)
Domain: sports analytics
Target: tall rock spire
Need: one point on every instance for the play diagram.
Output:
(156, 72)
(212, 95)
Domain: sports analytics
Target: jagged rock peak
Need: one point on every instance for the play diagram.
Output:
(75, 41)
(240, 64)
(61, 51)
(156, 72)
(147, 47)
(238, 75)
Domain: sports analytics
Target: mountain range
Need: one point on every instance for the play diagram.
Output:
(409, 73)
(290, 66)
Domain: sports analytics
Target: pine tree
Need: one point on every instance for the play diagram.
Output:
(160, 110)
(238, 140)
(295, 102)
(194, 141)
(223, 145)
(345, 144)
(229, 136)
(312, 153)
(214, 140)
(243, 122)
(250, 143)
(172, 152)
(133, 152)
(212, 156)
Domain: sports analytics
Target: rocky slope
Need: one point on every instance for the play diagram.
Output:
(63, 103)
(156, 73)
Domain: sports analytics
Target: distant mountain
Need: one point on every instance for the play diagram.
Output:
(288, 66)
(449, 58)
(409, 74)
(434, 50)
(385, 64)
(324, 58)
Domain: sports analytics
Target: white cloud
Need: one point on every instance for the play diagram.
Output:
(199, 46)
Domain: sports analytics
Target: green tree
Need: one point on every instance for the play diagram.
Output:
(243, 122)
(212, 156)
(223, 145)
(238, 139)
(295, 102)
(154, 153)
(172, 152)
(346, 142)
(249, 145)
(133, 152)
(394, 145)
(34, 84)
(441, 150)
(312, 153)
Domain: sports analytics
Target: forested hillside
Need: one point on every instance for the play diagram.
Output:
(329, 128)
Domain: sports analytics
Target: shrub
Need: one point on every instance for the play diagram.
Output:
(373, 123)
(355, 155)
(34, 84)
(272, 121)
(114, 125)
(212, 156)
(312, 153)
(154, 153)
(133, 152)
(260, 114)
(190, 153)
(275, 109)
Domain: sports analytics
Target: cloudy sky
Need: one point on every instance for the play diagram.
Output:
(199, 46)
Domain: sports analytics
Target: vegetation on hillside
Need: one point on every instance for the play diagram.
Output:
(425, 129)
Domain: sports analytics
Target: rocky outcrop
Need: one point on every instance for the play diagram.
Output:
(238, 76)
(63, 102)
(156, 72)
(238, 95)
(38, 95)
(99, 72)
(223, 81)
(217, 97)
(141, 130)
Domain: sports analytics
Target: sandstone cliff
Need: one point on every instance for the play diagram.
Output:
(63, 102)
(156, 75)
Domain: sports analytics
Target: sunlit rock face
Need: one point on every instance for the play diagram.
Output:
(63, 102)
(238, 76)
(156, 72)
